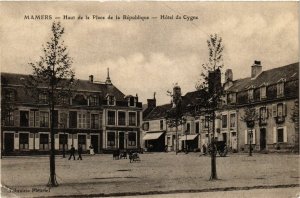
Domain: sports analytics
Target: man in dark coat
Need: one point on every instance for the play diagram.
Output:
(72, 152)
(79, 152)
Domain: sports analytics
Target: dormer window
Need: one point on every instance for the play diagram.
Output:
(231, 98)
(131, 101)
(250, 94)
(10, 96)
(280, 89)
(111, 100)
(94, 101)
(43, 98)
(263, 91)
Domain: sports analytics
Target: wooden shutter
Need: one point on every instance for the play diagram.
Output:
(31, 118)
(88, 120)
(246, 137)
(284, 134)
(253, 136)
(138, 118)
(284, 109)
(274, 110)
(17, 118)
(37, 119)
(274, 135)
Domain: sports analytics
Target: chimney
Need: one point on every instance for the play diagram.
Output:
(176, 94)
(256, 69)
(91, 78)
(151, 102)
(214, 81)
(228, 75)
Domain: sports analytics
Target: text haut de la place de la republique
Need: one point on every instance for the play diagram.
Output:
(110, 17)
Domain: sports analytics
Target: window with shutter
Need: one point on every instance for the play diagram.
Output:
(37, 119)
(31, 118)
(274, 110)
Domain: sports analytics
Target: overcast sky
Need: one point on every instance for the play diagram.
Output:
(150, 56)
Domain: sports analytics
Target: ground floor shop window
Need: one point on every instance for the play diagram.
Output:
(131, 139)
(82, 141)
(63, 141)
(24, 141)
(44, 141)
(111, 139)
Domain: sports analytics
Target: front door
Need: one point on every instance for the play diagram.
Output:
(263, 139)
(8, 142)
(121, 140)
(95, 142)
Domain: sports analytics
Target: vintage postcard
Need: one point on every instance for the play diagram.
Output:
(149, 99)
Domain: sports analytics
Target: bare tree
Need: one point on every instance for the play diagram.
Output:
(210, 81)
(52, 80)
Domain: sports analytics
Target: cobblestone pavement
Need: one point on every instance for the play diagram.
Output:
(156, 173)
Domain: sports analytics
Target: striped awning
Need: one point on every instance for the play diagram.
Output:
(152, 136)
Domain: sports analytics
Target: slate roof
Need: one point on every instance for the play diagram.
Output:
(158, 112)
(11, 79)
(288, 73)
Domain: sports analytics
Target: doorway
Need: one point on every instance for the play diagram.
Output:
(121, 140)
(263, 134)
(8, 142)
(95, 142)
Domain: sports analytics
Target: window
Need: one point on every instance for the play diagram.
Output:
(79, 100)
(43, 98)
(121, 118)
(24, 120)
(81, 120)
(44, 119)
(63, 120)
(197, 127)
(161, 124)
(82, 141)
(131, 139)
(280, 135)
(64, 100)
(231, 98)
(10, 96)
(111, 117)
(232, 120)
(263, 91)
(263, 115)
(250, 94)
(9, 118)
(73, 119)
(188, 127)
(146, 126)
(132, 118)
(110, 139)
(95, 121)
(111, 100)
(63, 141)
(24, 141)
(280, 112)
(280, 89)
(224, 121)
(206, 122)
(94, 101)
(44, 141)
(131, 101)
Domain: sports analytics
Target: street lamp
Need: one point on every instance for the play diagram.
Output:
(250, 125)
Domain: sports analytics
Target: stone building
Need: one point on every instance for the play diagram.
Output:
(97, 114)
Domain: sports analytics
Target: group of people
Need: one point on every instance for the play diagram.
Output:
(72, 152)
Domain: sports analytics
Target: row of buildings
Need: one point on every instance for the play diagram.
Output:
(274, 95)
(99, 114)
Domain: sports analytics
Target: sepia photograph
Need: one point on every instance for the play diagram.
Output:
(149, 99)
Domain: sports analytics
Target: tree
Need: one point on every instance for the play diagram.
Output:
(210, 81)
(175, 116)
(294, 117)
(52, 80)
(249, 117)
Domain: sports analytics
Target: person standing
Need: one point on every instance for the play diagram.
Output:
(92, 152)
(79, 152)
(72, 152)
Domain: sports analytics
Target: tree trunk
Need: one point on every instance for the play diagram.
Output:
(213, 175)
(52, 180)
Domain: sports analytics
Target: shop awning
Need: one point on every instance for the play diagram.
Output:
(188, 137)
(152, 136)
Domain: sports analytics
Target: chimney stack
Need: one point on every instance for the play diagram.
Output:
(256, 69)
(228, 75)
(151, 102)
(91, 78)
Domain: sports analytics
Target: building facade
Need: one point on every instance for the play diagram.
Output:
(96, 114)
(272, 93)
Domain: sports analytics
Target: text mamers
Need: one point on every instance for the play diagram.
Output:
(38, 17)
